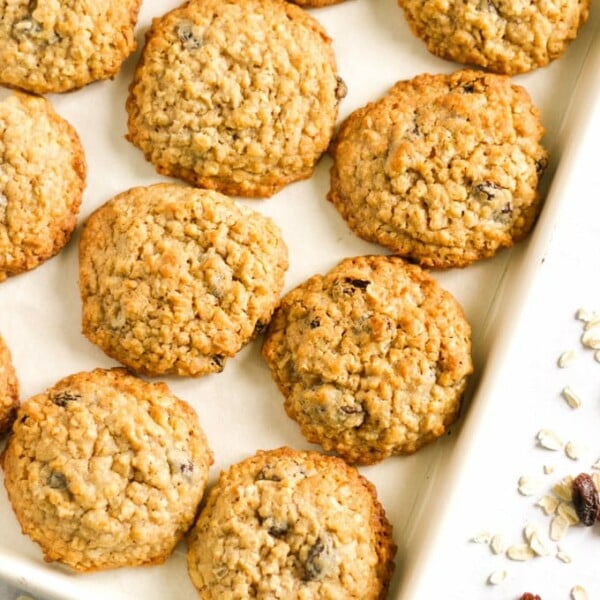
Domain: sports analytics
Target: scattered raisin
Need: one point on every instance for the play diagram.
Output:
(63, 398)
(341, 89)
(529, 596)
(316, 322)
(361, 284)
(186, 35)
(267, 473)
(585, 499)
(57, 480)
(218, 360)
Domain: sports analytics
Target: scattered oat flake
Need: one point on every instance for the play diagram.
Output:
(549, 439)
(497, 577)
(567, 511)
(597, 356)
(596, 465)
(579, 593)
(592, 324)
(591, 339)
(530, 530)
(529, 486)
(583, 314)
(596, 480)
(483, 537)
(539, 545)
(564, 488)
(498, 545)
(558, 527)
(548, 504)
(575, 451)
(548, 469)
(571, 398)
(563, 557)
(566, 359)
(520, 552)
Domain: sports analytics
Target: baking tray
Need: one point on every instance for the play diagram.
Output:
(241, 409)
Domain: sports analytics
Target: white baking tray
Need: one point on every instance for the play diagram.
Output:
(241, 409)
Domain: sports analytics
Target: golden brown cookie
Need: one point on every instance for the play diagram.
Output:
(175, 279)
(504, 36)
(105, 470)
(9, 389)
(444, 169)
(295, 525)
(60, 46)
(315, 3)
(372, 358)
(240, 96)
(41, 182)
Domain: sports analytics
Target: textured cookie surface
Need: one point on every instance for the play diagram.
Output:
(59, 46)
(175, 279)
(9, 389)
(372, 358)
(235, 95)
(443, 169)
(105, 470)
(42, 178)
(315, 3)
(504, 36)
(295, 525)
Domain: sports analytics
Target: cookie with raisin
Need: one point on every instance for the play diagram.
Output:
(443, 169)
(503, 36)
(240, 96)
(291, 524)
(42, 180)
(105, 470)
(174, 279)
(372, 358)
(9, 389)
(60, 46)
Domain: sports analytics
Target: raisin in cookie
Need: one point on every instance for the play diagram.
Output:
(504, 36)
(9, 389)
(105, 470)
(372, 358)
(42, 178)
(60, 46)
(235, 95)
(295, 525)
(176, 279)
(443, 169)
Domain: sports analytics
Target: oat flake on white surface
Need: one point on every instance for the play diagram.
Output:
(548, 469)
(597, 356)
(540, 546)
(529, 486)
(564, 488)
(563, 557)
(579, 593)
(498, 545)
(566, 359)
(575, 451)
(558, 527)
(591, 339)
(483, 537)
(567, 510)
(497, 577)
(586, 315)
(596, 480)
(549, 439)
(592, 324)
(548, 504)
(520, 552)
(571, 398)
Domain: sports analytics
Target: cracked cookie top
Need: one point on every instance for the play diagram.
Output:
(372, 358)
(235, 95)
(175, 279)
(503, 36)
(105, 470)
(443, 169)
(291, 524)
(42, 178)
(9, 389)
(53, 46)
